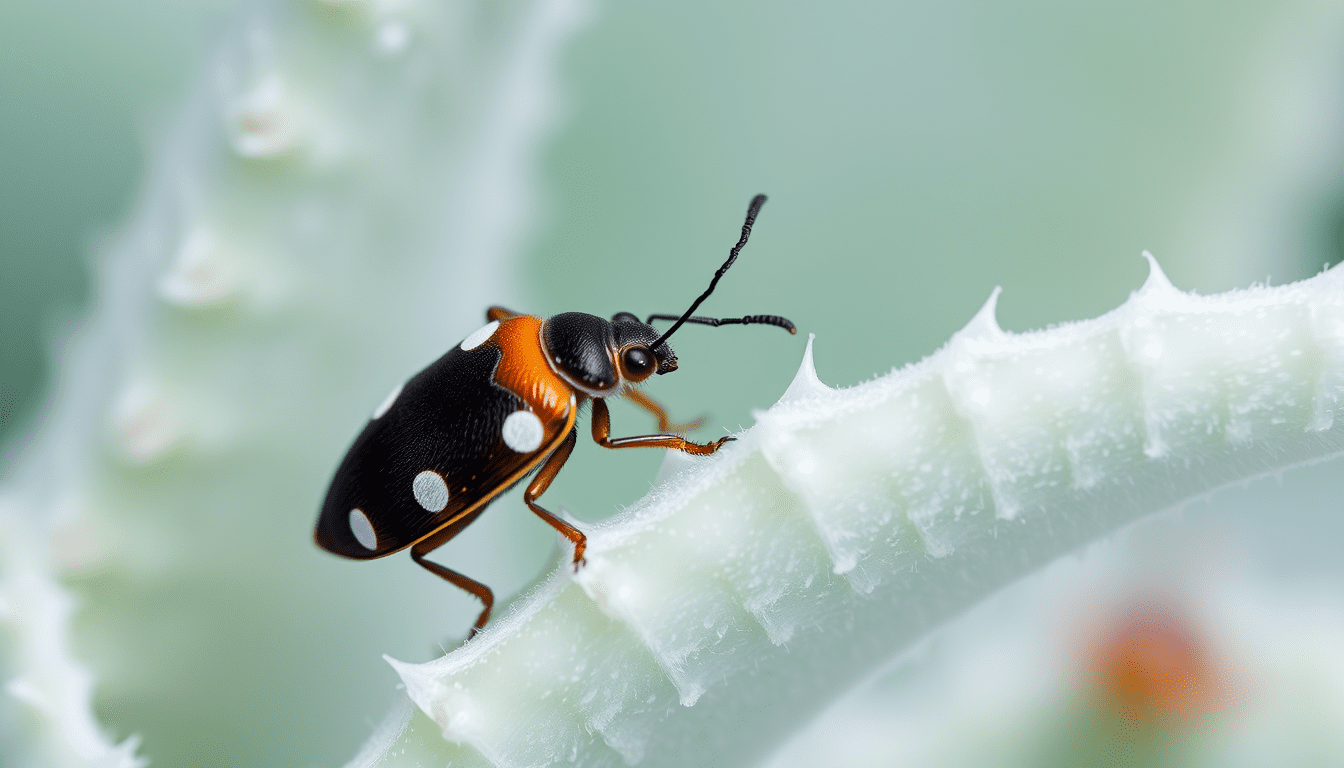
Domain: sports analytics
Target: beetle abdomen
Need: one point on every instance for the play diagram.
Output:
(430, 452)
(449, 440)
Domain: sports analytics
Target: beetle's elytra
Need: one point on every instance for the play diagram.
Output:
(491, 411)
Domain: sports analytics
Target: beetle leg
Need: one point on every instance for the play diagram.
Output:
(664, 425)
(539, 485)
(602, 436)
(464, 583)
(498, 313)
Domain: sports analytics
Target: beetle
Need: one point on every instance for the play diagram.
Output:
(491, 411)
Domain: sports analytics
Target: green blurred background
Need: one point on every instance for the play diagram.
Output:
(82, 85)
(916, 155)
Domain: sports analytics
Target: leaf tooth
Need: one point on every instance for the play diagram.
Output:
(144, 424)
(1156, 284)
(203, 272)
(262, 120)
(806, 385)
(984, 326)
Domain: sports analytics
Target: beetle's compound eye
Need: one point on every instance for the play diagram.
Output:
(638, 361)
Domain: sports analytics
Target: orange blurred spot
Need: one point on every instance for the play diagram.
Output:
(1151, 664)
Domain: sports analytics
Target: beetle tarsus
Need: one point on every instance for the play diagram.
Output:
(480, 623)
(602, 436)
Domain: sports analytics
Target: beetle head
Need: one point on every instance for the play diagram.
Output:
(632, 337)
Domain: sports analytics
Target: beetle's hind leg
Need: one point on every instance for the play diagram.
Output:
(602, 436)
(464, 583)
(659, 412)
(539, 485)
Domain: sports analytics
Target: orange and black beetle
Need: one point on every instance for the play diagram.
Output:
(488, 413)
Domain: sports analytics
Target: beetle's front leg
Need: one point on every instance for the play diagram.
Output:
(602, 436)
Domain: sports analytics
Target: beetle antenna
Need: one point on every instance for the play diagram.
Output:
(776, 320)
(752, 210)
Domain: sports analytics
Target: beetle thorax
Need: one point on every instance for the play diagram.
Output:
(586, 350)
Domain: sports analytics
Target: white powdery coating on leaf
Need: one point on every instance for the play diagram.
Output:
(849, 522)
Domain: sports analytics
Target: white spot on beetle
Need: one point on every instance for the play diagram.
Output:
(479, 337)
(363, 529)
(522, 431)
(430, 491)
(386, 405)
